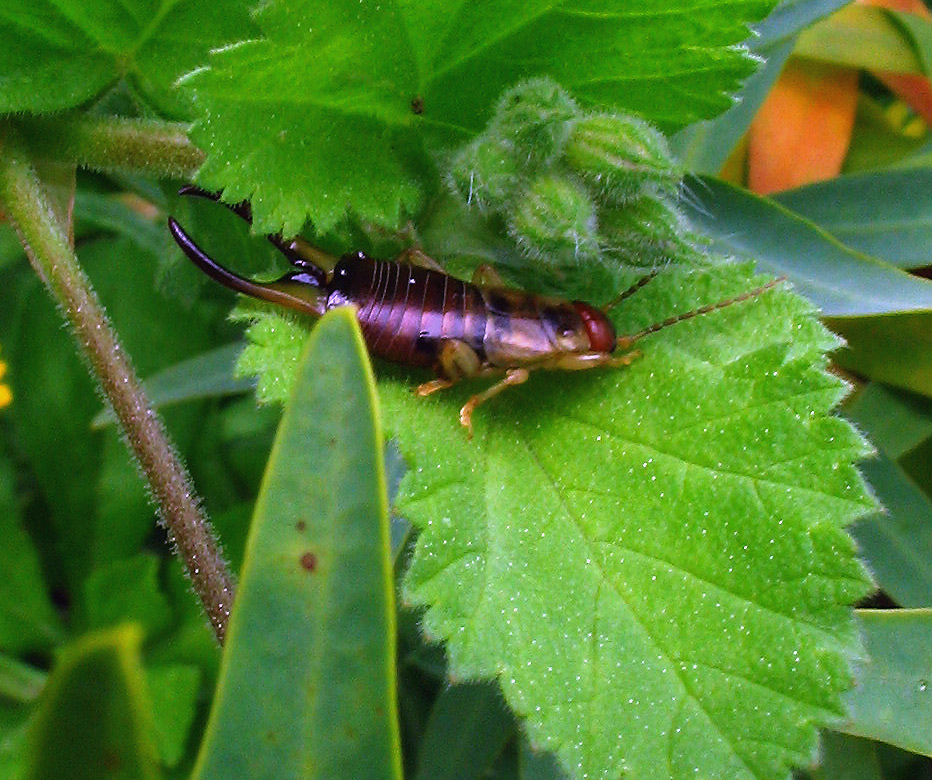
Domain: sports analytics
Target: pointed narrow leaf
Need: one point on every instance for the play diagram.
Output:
(891, 701)
(840, 281)
(860, 36)
(307, 686)
(94, 721)
(468, 727)
(207, 375)
(875, 212)
(705, 146)
(28, 620)
(897, 543)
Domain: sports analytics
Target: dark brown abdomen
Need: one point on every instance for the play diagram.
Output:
(406, 311)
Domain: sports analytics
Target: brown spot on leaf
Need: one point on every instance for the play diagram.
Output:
(309, 562)
(417, 105)
(300, 526)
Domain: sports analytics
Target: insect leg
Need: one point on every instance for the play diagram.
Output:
(513, 376)
(433, 386)
(580, 361)
(455, 360)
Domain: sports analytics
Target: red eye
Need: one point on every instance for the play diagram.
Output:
(601, 332)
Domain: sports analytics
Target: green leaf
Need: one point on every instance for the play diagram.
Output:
(93, 719)
(174, 690)
(28, 620)
(896, 422)
(468, 728)
(859, 36)
(651, 560)
(276, 112)
(207, 375)
(840, 281)
(919, 30)
(19, 681)
(307, 686)
(59, 54)
(896, 543)
(847, 758)
(891, 700)
(876, 213)
(893, 348)
(273, 351)
(538, 765)
(54, 399)
(124, 591)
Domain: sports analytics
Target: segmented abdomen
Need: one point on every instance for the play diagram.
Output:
(406, 311)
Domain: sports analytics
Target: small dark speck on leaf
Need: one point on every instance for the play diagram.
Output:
(300, 526)
(417, 105)
(309, 562)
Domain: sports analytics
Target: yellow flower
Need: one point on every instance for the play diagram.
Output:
(6, 395)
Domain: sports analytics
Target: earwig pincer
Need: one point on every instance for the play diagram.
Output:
(411, 312)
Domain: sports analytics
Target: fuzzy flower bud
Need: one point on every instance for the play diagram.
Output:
(536, 117)
(647, 233)
(484, 174)
(622, 156)
(554, 221)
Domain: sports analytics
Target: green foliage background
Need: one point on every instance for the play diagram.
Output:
(652, 562)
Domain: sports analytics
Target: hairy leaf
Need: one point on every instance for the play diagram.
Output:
(277, 112)
(57, 54)
(652, 560)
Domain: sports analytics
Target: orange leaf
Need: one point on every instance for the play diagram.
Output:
(802, 131)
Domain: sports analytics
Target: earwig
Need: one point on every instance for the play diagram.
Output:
(412, 312)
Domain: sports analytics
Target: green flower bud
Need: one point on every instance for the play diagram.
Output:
(536, 117)
(648, 232)
(622, 156)
(485, 174)
(554, 221)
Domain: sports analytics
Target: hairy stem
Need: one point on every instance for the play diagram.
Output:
(116, 144)
(48, 248)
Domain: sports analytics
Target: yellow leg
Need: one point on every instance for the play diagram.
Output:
(433, 386)
(514, 376)
(455, 360)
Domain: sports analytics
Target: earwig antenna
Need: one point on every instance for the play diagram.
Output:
(630, 291)
(626, 341)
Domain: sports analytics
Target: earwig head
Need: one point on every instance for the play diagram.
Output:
(599, 328)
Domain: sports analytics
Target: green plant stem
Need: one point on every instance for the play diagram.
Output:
(48, 248)
(116, 144)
